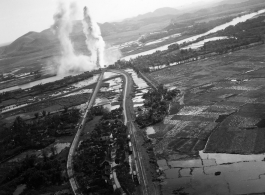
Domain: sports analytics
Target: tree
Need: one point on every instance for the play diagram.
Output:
(36, 115)
(65, 109)
(44, 155)
(53, 151)
(36, 179)
(43, 113)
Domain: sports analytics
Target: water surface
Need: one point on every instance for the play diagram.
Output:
(193, 38)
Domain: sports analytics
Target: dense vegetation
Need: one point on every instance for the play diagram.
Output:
(36, 133)
(155, 106)
(34, 172)
(95, 155)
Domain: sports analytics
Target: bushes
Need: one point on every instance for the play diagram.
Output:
(124, 177)
(156, 105)
(35, 134)
(35, 173)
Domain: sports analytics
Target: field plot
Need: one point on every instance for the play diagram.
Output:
(221, 118)
(217, 90)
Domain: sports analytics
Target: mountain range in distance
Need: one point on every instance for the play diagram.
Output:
(113, 32)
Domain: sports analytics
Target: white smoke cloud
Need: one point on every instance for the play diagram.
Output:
(70, 62)
(94, 41)
(111, 55)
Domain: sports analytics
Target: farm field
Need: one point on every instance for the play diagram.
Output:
(224, 94)
(216, 126)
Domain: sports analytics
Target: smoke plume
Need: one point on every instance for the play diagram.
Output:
(94, 41)
(70, 62)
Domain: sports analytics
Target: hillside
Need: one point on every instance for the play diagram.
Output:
(158, 12)
(224, 8)
(131, 29)
(30, 41)
(38, 41)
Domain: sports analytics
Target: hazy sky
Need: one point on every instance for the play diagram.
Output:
(18, 17)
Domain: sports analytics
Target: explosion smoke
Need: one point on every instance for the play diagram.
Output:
(94, 41)
(63, 24)
(70, 62)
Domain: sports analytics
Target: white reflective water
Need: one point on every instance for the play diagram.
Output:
(214, 174)
(31, 84)
(20, 188)
(201, 43)
(163, 39)
(141, 87)
(193, 38)
(51, 79)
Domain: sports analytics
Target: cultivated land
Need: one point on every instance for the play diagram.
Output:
(215, 130)
(223, 96)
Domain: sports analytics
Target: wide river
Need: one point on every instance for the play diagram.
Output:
(193, 38)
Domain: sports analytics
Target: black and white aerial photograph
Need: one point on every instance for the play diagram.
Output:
(132, 97)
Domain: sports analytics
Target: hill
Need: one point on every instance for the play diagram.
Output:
(29, 41)
(158, 12)
(36, 41)
(127, 30)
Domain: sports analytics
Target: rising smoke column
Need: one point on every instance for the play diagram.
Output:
(94, 41)
(62, 27)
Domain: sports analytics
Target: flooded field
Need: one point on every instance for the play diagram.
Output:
(31, 84)
(141, 87)
(215, 174)
(110, 92)
(20, 189)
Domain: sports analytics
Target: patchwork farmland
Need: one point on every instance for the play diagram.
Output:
(221, 112)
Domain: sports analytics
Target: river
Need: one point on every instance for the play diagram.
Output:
(32, 84)
(193, 38)
(223, 26)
